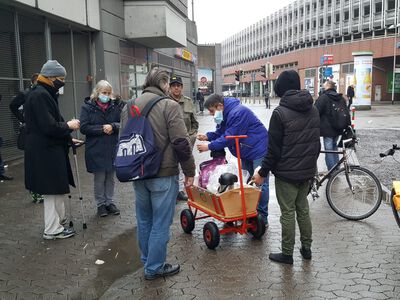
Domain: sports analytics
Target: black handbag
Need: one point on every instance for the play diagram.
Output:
(21, 137)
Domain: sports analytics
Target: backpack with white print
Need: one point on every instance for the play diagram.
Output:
(137, 154)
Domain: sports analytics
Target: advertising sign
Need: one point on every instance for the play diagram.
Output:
(396, 82)
(362, 78)
(309, 84)
(205, 77)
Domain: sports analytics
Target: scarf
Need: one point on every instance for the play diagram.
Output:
(103, 106)
(45, 80)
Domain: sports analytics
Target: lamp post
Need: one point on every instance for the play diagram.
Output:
(395, 26)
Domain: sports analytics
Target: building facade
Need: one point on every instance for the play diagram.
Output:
(298, 35)
(116, 40)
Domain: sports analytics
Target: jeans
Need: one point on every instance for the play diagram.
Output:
(155, 207)
(250, 166)
(330, 143)
(292, 200)
(104, 187)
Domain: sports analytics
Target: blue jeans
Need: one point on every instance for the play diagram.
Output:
(250, 166)
(330, 143)
(155, 206)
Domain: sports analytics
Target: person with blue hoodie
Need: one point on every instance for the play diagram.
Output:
(233, 118)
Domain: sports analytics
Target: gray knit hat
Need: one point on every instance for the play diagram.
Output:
(53, 68)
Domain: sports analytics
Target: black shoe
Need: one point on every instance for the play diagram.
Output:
(182, 196)
(281, 258)
(102, 211)
(4, 177)
(166, 270)
(112, 209)
(306, 253)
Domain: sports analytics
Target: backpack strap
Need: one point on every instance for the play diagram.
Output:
(146, 110)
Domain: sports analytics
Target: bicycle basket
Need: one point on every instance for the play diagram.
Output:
(396, 195)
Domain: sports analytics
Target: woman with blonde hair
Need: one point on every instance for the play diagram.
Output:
(100, 117)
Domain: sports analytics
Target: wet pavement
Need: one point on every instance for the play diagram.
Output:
(351, 260)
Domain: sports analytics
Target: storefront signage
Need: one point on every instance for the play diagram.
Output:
(396, 82)
(185, 55)
(326, 59)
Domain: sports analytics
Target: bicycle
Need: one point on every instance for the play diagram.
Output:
(395, 193)
(353, 192)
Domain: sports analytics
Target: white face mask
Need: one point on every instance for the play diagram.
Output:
(218, 116)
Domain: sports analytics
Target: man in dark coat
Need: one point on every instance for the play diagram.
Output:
(329, 133)
(293, 151)
(47, 168)
(350, 95)
(200, 99)
(2, 165)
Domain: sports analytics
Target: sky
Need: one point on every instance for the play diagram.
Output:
(217, 20)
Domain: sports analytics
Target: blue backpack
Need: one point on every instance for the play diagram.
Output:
(137, 154)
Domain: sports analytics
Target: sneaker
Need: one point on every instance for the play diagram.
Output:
(281, 258)
(5, 177)
(166, 270)
(112, 209)
(182, 196)
(66, 233)
(306, 253)
(36, 198)
(102, 211)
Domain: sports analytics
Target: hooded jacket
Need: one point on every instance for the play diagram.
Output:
(294, 142)
(239, 120)
(324, 106)
(100, 147)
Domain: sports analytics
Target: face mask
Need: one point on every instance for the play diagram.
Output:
(58, 84)
(218, 117)
(104, 98)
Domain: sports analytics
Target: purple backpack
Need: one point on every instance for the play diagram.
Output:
(137, 154)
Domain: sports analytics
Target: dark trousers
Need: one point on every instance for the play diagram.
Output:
(201, 104)
(350, 101)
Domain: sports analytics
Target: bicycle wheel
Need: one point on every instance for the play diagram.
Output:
(357, 203)
(396, 212)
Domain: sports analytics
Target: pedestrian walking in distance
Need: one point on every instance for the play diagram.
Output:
(350, 95)
(192, 126)
(292, 155)
(47, 168)
(100, 117)
(200, 100)
(155, 198)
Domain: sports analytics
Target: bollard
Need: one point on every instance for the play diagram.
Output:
(353, 117)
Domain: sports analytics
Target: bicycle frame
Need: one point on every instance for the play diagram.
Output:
(317, 181)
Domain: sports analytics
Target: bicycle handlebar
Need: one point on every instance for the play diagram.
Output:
(390, 152)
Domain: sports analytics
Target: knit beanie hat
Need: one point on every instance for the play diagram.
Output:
(53, 68)
(287, 80)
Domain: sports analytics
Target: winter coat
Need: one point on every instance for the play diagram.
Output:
(294, 142)
(239, 120)
(100, 148)
(324, 106)
(47, 167)
(350, 91)
(188, 112)
(169, 131)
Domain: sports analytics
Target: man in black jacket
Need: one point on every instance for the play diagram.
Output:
(292, 155)
(330, 134)
(350, 95)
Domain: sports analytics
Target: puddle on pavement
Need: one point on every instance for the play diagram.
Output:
(121, 257)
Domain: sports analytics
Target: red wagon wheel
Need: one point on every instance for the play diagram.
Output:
(187, 220)
(211, 235)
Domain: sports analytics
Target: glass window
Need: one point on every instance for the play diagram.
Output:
(391, 4)
(356, 13)
(367, 9)
(378, 7)
(346, 15)
(8, 51)
(33, 47)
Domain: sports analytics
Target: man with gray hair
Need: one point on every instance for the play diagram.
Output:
(155, 198)
(47, 168)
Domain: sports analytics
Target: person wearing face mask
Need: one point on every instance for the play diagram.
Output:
(48, 137)
(232, 118)
(100, 117)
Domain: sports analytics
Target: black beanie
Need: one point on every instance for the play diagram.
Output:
(287, 80)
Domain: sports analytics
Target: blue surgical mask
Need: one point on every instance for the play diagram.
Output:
(104, 98)
(218, 116)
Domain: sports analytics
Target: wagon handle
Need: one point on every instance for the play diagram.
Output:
(236, 138)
